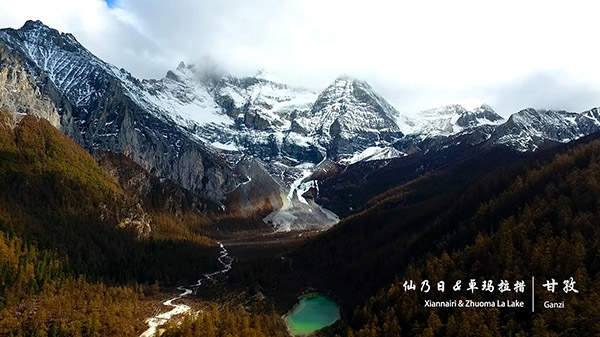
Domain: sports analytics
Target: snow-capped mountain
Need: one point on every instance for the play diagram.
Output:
(527, 129)
(452, 119)
(102, 107)
(182, 96)
(279, 124)
(195, 125)
(349, 117)
(262, 104)
(197, 97)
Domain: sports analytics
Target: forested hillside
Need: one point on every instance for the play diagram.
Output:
(538, 219)
(258, 321)
(367, 250)
(67, 229)
(360, 186)
(55, 195)
(41, 296)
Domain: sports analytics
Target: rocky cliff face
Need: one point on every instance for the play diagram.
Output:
(19, 93)
(197, 124)
(151, 193)
(527, 129)
(348, 117)
(97, 106)
(479, 116)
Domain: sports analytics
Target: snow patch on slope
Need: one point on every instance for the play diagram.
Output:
(373, 153)
(453, 119)
(185, 98)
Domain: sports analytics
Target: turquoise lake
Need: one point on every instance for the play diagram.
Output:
(314, 312)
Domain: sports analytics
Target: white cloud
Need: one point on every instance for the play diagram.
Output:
(418, 54)
(112, 34)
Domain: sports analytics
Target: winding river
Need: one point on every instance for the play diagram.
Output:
(156, 321)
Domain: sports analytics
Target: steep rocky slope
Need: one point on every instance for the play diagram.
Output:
(196, 125)
(529, 128)
(98, 107)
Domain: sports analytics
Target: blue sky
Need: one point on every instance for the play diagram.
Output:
(111, 3)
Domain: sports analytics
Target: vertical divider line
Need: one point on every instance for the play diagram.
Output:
(532, 294)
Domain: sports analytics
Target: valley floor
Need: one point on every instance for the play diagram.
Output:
(250, 280)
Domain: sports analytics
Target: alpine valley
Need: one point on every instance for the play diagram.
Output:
(205, 204)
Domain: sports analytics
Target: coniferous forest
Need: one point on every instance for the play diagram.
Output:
(206, 198)
(537, 218)
(66, 268)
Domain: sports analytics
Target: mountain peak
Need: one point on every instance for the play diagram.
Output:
(446, 110)
(206, 71)
(263, 74)
(486, 107)
(353, 114)
(347, 79)
(188, 69)
(38, 34)
(344, 87)
(343, 77)
(35, 30)
(453, 118)
(528, 115)
(34, 25)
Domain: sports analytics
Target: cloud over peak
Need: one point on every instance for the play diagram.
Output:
(417, 54)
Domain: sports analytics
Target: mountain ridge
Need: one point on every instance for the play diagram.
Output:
(95, 109)
(194, 125)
